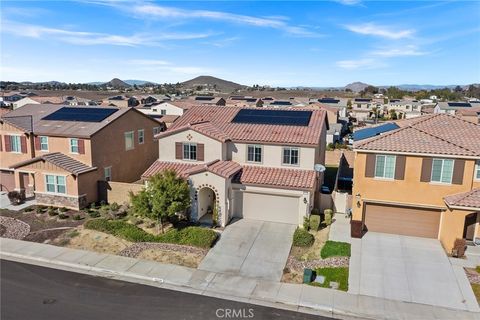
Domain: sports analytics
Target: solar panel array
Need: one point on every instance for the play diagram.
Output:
(273, 117)
(204, 98)
(328, 100)
(80, 114)
(363, 99)
(459, 104)
(374, 131)
(281, 103)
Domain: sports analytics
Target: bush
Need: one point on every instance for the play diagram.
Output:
(63, 209)
(335, 249)
(93, 214)
(193, 236)
(314, 222)
(306, 223)
(52, 212)
(39, 210)
(328, 216)
(16, 197)
(114, 207)
(315, 212)
(302, 238)
(77, 217)
(29, 209)
(62, 216)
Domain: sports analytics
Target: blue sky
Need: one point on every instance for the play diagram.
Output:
(323, 43)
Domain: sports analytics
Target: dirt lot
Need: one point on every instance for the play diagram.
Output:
(191, 260)
(91, 240)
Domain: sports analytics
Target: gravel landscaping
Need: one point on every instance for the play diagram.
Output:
(14, 228)
(334, 262)
(134, 250)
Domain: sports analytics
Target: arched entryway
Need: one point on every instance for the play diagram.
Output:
(207, 202)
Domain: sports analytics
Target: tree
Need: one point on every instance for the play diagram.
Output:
(164, 196)
(393, 114)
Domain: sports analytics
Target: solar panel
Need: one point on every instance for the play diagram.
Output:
(273, 117)
(459, 104)
(328, 100)
(363, 100)
(80, 114)
(372, 132)
(281, 103)
(204, 98)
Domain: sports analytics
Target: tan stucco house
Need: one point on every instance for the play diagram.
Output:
(58, 154)
(421, 180)
(246, 163)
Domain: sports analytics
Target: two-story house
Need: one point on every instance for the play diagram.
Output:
(58, 153)
(246, 162)
(421, 180)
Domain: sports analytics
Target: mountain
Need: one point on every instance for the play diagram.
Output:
(116, 83)
(213, 83)
(356, 86)
(138, 82)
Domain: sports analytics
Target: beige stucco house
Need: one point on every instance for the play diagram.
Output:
(422, 180)
(246, 163)
(58, 154)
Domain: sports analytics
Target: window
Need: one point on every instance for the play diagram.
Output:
(107, 173)
(73, 145)
(156, 130)
(190, 151)
(43, 143)
(442, 170)
(254, 153)
(385, 167)
(477, 170)
(129, 143)
(290, 156)
(163, 112)
(55, 184)
(15, 144)
(141, 136)
(154, 110)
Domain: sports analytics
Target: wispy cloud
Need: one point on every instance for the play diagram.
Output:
(349, 2)
(156, 11)
(403, 51)
(372, 29)
(94, 38)
(366, 63)
(23, 12)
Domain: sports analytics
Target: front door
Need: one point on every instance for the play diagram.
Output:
(469, 228)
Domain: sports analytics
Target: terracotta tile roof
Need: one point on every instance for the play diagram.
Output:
(470, 199)
(276, 177)
(183, 104)
(49, 100)
(206, 128)
(159, 166)
(222, 168)
(60, 160)
(169, 118)
(221, 118)
(431, 134)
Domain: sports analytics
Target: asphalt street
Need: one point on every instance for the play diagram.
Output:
(33, 292)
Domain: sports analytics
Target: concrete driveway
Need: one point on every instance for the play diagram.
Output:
(408, 269)
(249, 248)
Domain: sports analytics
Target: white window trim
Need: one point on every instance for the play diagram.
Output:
(70, 142)
(110, 171)
(19, 143)
(441, 172)
(125, 140)
(261, 153)
(183, 151)
(43, 150)
(384, 166)
(477, 171)
(56, 185)
(143, 136)
(283, 157)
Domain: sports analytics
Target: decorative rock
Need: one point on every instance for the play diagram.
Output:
(134, 250)
(334, 262)
(14, 229)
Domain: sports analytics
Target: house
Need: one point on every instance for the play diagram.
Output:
(419, 180)
(254, 163)
(64, 100)
(244, 102)
(207, 100)
(372, 131)
(471, 114)
(121, 101)
(339, 103)
(451, 107)
(405, 108)
(57, 153)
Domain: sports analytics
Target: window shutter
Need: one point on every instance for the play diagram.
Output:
(370, 166)
(400, 167)
(458, 169)
(1, 143)
(426, 170)
(178, 150)
(8, 147)
(200, 152)
(23, 144)
(37, 143)
(81, 146)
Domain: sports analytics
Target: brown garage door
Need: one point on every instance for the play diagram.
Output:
(417, 222)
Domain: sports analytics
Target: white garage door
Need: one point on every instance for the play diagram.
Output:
(258, 206)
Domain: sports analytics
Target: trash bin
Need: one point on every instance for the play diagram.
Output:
(308, 275)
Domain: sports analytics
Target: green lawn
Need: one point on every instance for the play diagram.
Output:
(476, 291)
(335, 249)
(339, 275)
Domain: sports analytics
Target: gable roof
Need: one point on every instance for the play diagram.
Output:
(221, 118)
(276, 177)
(222, 168)
(61, 160)
(439, 134)
(468, 200)
(206, 128)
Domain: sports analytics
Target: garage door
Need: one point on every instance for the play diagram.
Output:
(405, 221)
(258, 206)
(7, 181)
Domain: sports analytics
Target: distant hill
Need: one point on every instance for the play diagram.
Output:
(212, 83)
(117, 84)
(138, 82)
(356, 86)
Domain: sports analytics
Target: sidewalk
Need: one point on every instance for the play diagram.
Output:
(296, 297)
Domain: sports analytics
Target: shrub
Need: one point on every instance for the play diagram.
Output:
(314, 222)
(62, 216)
(93, 206)
(16, 197)
(459, 247)
(328, 216)
(335, 249)
(52, 212)
(39, 210)
(114, 207)
(306, 223)
(29, 209)
(477, 268)
(63, 209)
(302, 238)
(315, 212)
(196, 236)
(77, 217)
(93, 214)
